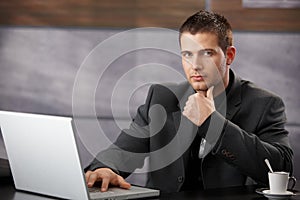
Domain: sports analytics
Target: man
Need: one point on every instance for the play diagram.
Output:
(215, 130)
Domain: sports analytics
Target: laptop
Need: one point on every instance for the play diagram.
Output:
(44, 158)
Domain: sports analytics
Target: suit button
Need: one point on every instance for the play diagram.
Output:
(225, 152)
(180, 179)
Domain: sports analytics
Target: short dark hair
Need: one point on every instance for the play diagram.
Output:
(205, 21)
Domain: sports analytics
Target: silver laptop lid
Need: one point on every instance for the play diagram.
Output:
(43, 155)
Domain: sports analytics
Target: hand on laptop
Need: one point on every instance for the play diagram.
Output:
(107, 176)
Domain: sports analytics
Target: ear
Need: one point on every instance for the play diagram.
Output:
(230, 54)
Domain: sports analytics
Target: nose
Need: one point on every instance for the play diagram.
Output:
(197, 64)
(197, 67)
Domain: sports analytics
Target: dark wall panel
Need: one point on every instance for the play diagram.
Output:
(97, 13)
(257, 19)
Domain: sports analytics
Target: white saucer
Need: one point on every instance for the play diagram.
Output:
(266, 192)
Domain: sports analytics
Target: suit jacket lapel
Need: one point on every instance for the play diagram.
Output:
(182, 123)
(185, 129)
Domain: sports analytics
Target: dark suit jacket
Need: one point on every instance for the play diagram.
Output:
(247, 127)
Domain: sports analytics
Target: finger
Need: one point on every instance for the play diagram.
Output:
(185, 111)
(201, 92)
(105, 183)
(87, 176)
(92, 179)
(122, 183)
(209, 93)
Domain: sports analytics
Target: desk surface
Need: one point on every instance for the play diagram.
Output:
(8, 192)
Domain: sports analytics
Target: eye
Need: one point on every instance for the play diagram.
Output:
(186, 54)
(207, 53)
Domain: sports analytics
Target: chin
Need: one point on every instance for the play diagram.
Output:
(199, 86)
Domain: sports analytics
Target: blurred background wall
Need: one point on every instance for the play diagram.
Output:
(45, 45)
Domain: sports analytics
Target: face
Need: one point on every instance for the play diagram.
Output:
(204, 62)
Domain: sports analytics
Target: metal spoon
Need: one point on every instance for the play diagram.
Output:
(268, 164)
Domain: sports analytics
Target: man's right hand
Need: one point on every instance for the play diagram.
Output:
(107, 176)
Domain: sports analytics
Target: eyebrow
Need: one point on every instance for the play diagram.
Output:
(200, 51)
(185, 51)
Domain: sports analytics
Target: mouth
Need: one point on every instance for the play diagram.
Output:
(197, 77)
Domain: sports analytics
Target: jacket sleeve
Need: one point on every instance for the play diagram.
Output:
(131, 147)
(247, 150)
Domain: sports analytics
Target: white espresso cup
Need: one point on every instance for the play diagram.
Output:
(279, 181)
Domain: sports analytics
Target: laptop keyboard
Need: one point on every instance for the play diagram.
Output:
(94, 189)
(119, 193)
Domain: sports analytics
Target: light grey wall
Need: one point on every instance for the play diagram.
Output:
(271, 61)
(39, 68)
